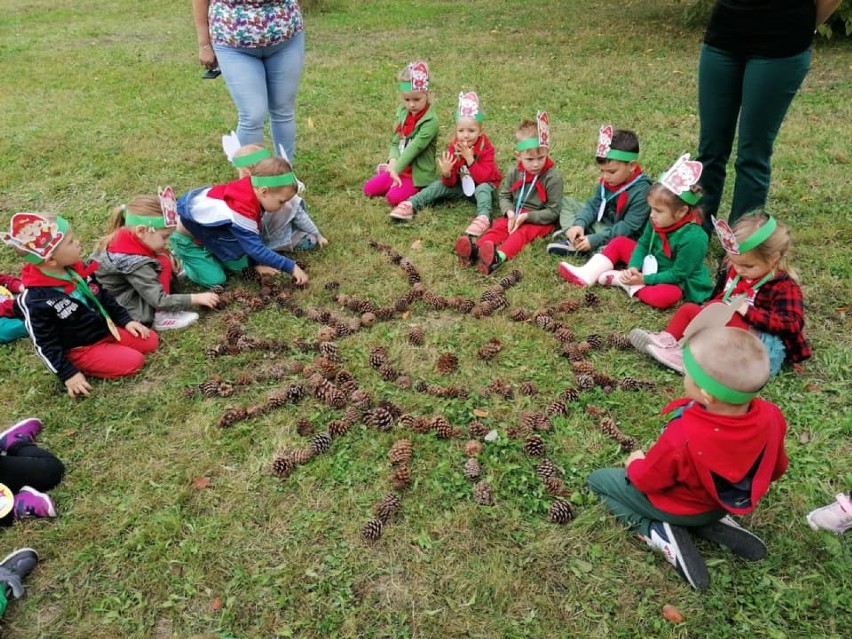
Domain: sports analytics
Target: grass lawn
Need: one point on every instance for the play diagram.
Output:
(170, 526)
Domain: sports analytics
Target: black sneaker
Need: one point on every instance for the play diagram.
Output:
(561, 248)
(677, 547)
(15, 567)
(728, 532)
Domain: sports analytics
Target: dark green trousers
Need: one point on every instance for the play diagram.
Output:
(483, 195)
(633, 508)
(757, 92)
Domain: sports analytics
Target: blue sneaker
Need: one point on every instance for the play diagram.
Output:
(677, 547)
(25, 430)
(14, 568)
(561, 248)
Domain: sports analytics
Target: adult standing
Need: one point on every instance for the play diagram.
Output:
(755, 55)
(260, 47)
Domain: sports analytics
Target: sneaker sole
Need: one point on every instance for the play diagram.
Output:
(741, 542)
(463, 248)
(486, 258)
(689, 564)
(400, 218)
(569, 277)
(561, 250)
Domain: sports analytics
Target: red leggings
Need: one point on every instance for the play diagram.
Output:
(110, 359)
(512, 244)
(686, 313)
(382, 184)
(620, 249)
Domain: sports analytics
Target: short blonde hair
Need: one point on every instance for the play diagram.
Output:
(732, 356)
(526, 129)
(775, 246)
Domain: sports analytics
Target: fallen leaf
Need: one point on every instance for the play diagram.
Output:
(216, 604)
(672, 614)
(417, 245)
(201, 482)
(70, 433)
(405, 314)
(813, 388)
(805, 437)
(479, 412)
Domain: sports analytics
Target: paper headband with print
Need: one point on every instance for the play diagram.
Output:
(468, 108)
(681, 177)
(35, 234)
(542, 121)
(418, 82)
(729, 240)
(168, 207)
(605, 150)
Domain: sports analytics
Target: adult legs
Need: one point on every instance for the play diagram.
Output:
(283, 66)
(244, 71)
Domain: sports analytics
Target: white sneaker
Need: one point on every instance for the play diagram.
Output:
(164, 321)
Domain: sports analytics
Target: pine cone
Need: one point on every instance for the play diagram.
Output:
(231, 417)
(385, 313)
(282, 467)
(603, 380)
(557, 409)
(361, 398)
(442, 427)
(609, 429)
(352, 416)
(573, 351)
(304, 427)
(594, 411)
(401, 478)
(387, 508)
(519, 315)
(422, 425)
(619, 341)
(629, 383)
(420, 386)
(403, 381)
(482, 493)
(534, 446)
(585, 382)
(342, 329)
(554, 486)
(595, 340)
(303, 455)
(528, 422)
(395, 410)
(546, 468)
(378, 356)
(528, 388)
(338, 427)
(379, 418)
(546, 322)
(388, 372)
(583, 366)
(569, 395)
(465, 305)
(400, 452)
(255, 410)
(478, 429)
(495, 294)
(372, 530)
(591, 299)
(331, 285)
(489, 350)
(407, 421)
(472, 448)
(501, 388)
(413, 277)
(542, 423)
(416, 335)
(320, 442)
(330, 351)
(561, 512)
(295, 392)
(563, 334)
(447, 363)
(472, 469)
(209, 388)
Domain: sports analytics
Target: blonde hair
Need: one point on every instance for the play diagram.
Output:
(673, 201)
(144, 205)
(526, 129)
(775, 246)
(273, 166)
(242, 171)
(732, 356)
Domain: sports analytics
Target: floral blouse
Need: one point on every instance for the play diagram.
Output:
(253, 23)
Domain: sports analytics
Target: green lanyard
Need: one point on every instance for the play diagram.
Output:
(754, 288)
(83, 288)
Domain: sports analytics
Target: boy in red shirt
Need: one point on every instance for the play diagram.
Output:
(717, 456)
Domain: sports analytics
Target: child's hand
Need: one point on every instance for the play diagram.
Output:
(299, 276)
(397, 181)
(631, 277)
(515, 224)
(574, 233)
(466, 151)
(138, 330)
(322, 241)
(445, 164)
(262, 270)
(21, 288)
(210, 300)
(632, 457)
(582, 244)
(384, 167)
(78, 385)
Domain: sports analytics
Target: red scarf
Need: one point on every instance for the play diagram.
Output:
(621, 200)
(240, 197)
(664, 231)
(127, 242)
(406, 128)
(526, 178)
(32, 276)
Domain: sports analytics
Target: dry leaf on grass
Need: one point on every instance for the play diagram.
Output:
(201, 482)
(672, 614)
(215, 604)
(417, 245)
(479, 412)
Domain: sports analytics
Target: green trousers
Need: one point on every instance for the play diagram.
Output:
(757, 92)
(633, 507)
(11, 329)
(483, 195)
(200, 265)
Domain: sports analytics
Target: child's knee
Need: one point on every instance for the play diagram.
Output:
(206, 278)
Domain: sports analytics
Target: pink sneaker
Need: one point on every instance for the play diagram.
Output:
(25, 430)
(669, 357)
(641, 339)
(836, 517)
(31, 503)
(480, 224)
(403, 212)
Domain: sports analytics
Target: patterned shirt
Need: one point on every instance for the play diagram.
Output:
(253, 23)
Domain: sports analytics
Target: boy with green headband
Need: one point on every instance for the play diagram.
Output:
(717, 456)
(618, 206)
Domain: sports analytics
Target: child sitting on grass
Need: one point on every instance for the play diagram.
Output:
(667, 263)
(135, 267)
(759, 279)
(619, 205)
(411, 158)
(716, 456)
(468, 170)
(76, 326)
(530, 199)
(11, 328)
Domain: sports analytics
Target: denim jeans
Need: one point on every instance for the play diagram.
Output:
(264, 81)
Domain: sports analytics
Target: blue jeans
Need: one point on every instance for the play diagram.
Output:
(264, 81)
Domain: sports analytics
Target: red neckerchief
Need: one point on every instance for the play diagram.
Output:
(33, 276)
(621, 200)
(127, 242)
(526, 178)
(664, 232)
(406, 128)
(240, 197)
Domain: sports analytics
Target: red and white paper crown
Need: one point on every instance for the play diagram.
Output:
(682, 175)
(604, 141)
(168, 205)
(469, 107)
(419, 74)
(33, 233)
(543, 122)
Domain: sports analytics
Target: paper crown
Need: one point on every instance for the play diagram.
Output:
(168, 205)
(681, 177)
(35, 234)
(230, 145)
(604, 141)
(468, 108)
(418, 82)
(542, 122)
(729, 240)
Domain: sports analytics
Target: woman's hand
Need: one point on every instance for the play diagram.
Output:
(206, 56)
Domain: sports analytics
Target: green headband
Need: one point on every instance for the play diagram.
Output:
(152, 221)
(62, 226)
(479, 117)
(248, 159)
(621, 156)
(273, 181)
(712, 386)
(526, 145)
(690, 197)
(405, 87)
(759, 236)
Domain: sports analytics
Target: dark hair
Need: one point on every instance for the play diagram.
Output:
(622, 140)
(673, 201)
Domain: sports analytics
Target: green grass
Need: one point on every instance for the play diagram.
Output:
(103, 100)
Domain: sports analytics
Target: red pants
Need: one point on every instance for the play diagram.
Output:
(686, 313)
(511, 245)
(382, 184)
(109, 359)
(620, 249)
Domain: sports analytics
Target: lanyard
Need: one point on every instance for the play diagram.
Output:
(81, 286)
(522, 196)
(606, 200)
(735, 281)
